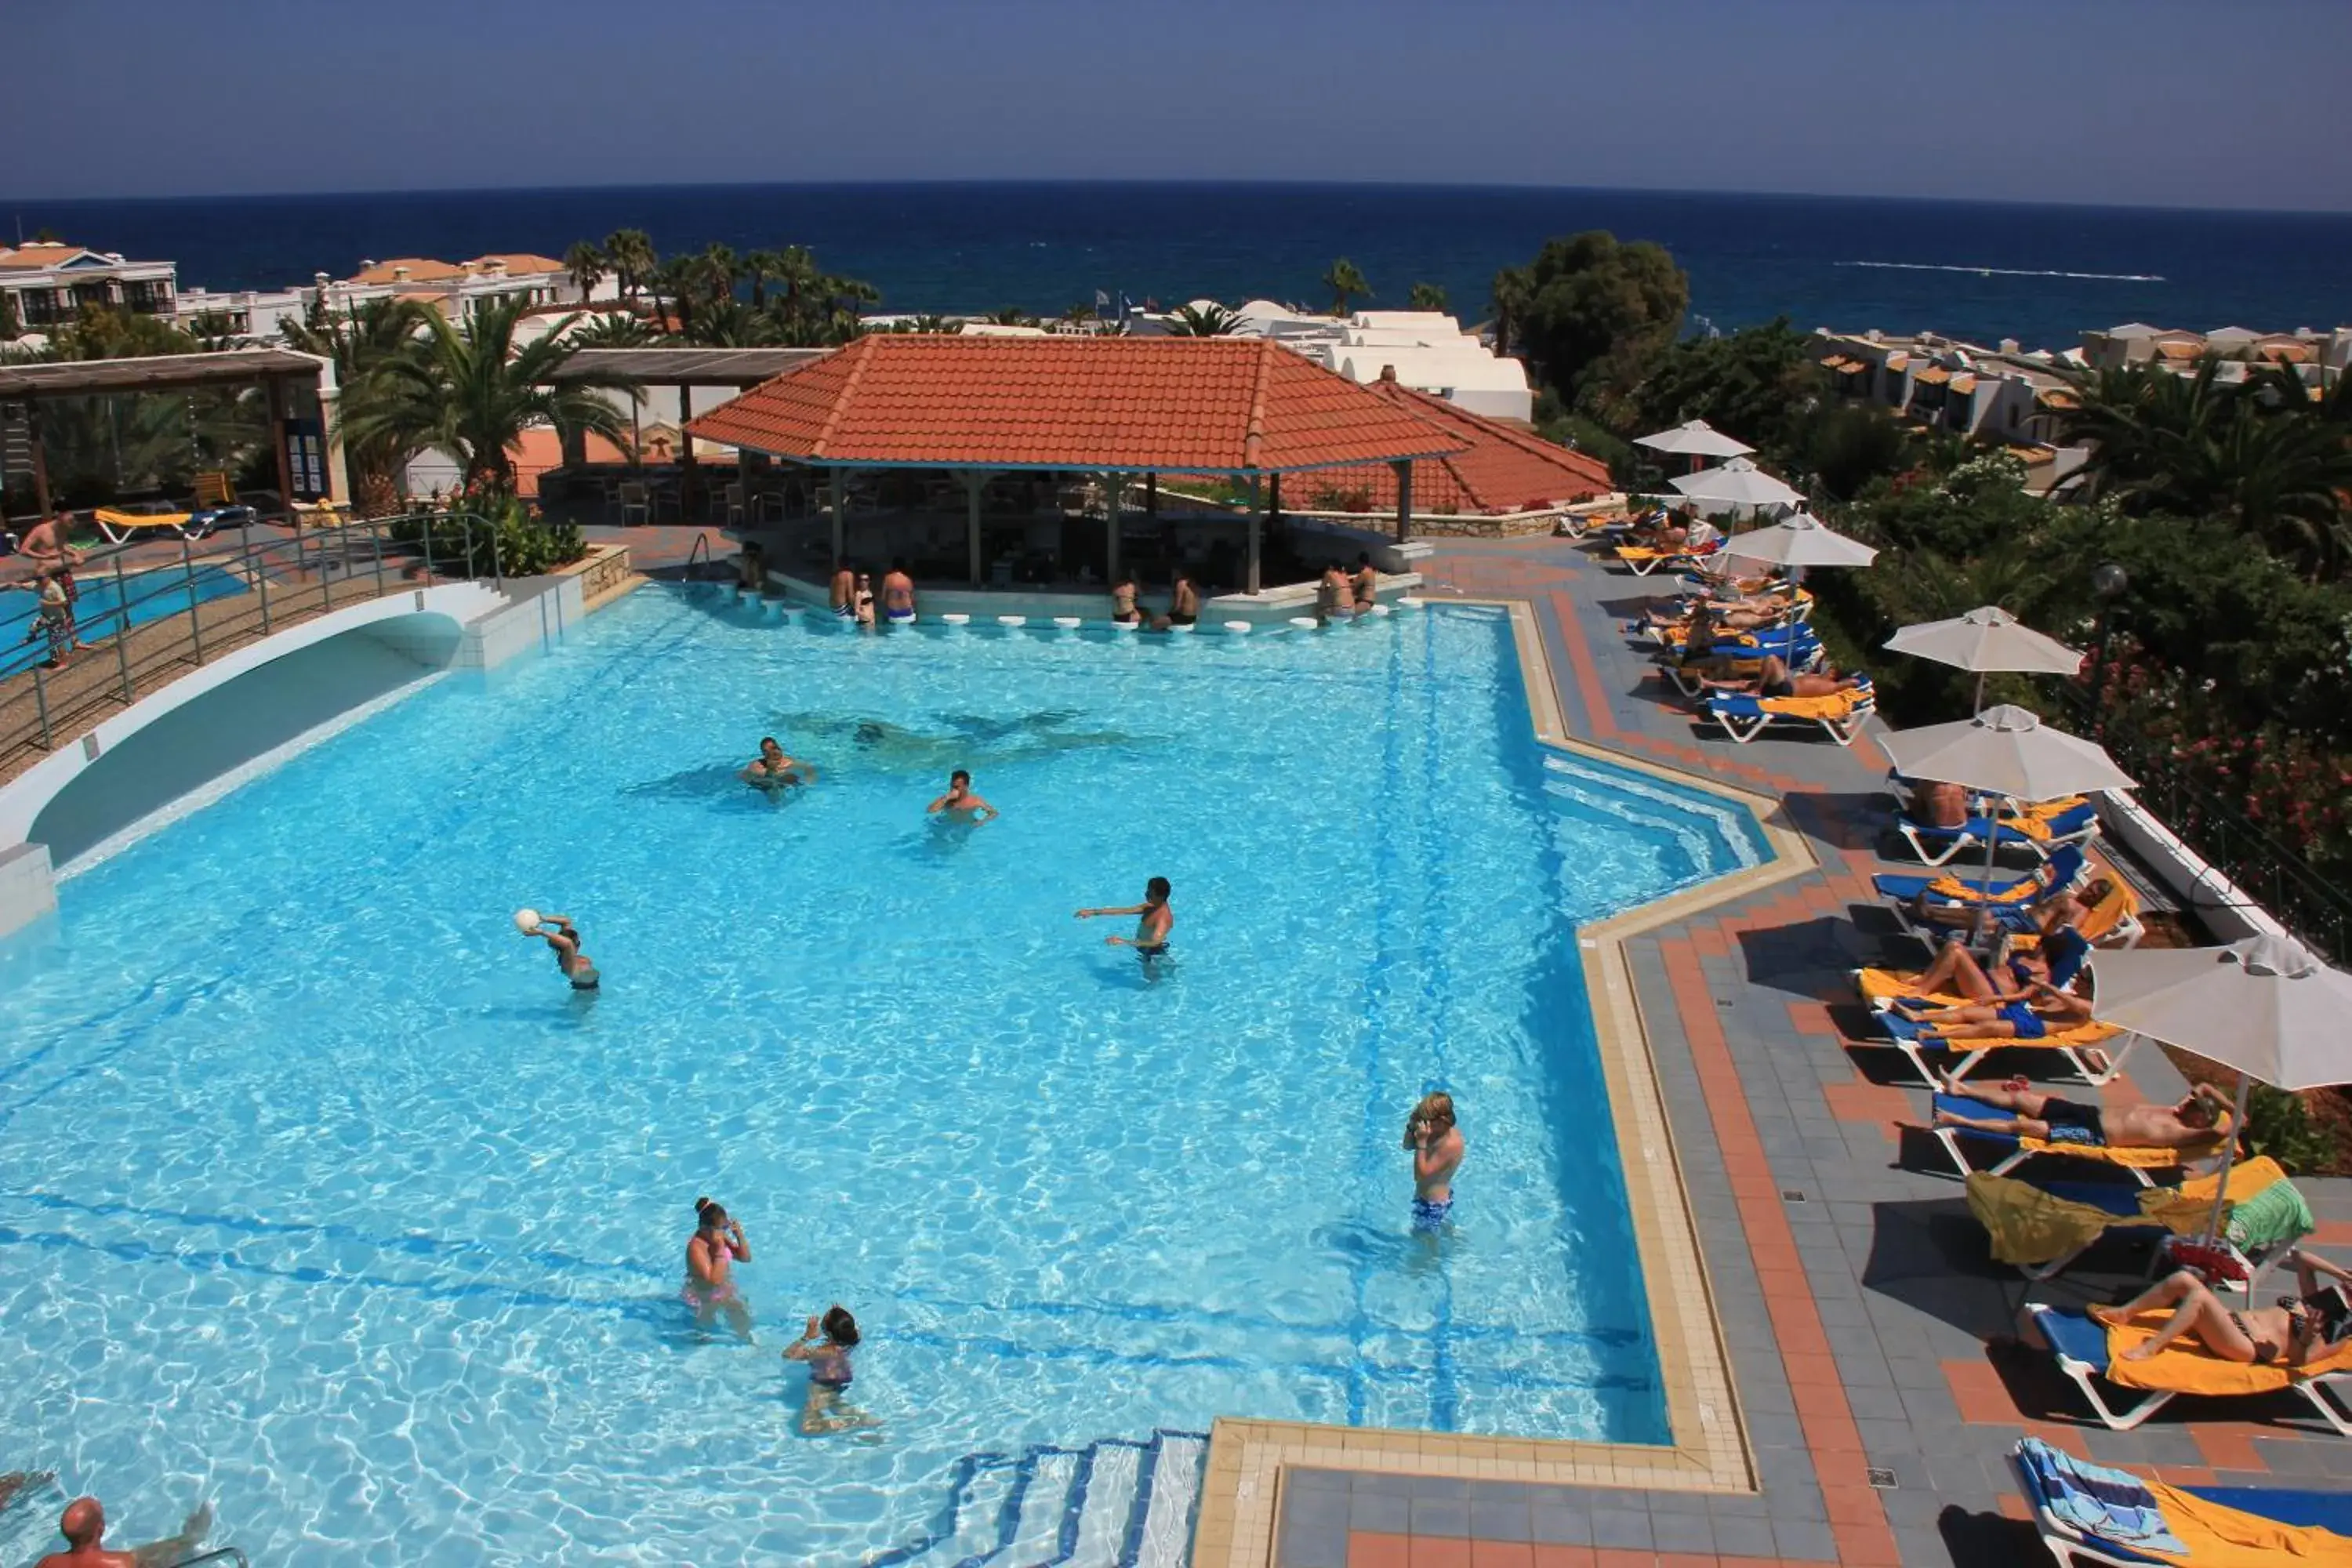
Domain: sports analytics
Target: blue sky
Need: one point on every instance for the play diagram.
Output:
(2167, 102)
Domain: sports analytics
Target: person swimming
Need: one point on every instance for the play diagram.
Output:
(1437, 1151)
(563, 937)
(961, 803)
(717, 1245)
(825, 1346)
(771, 769)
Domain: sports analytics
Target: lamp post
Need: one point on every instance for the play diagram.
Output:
(2108, 582)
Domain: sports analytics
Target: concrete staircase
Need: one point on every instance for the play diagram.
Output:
(1118, 1502)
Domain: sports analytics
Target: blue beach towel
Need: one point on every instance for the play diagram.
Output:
(2111, 1505)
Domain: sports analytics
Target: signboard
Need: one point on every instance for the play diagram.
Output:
(306, 458)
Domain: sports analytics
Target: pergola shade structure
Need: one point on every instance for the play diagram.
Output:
(1244, 409)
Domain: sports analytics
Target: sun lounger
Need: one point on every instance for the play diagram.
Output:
(1689, 674)
(2064, 868)
(2042, 834)
(2097, 1514)
(121, 527)
(2087, 1353)
(1643, 559)
(1840, 717)
(1914, 1040)
(2038, 1227)
(2009, 1150)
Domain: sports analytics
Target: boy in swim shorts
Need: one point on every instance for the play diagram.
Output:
(1437, 1151)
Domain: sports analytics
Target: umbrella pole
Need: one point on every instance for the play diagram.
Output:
(2228, 1158)
(1980, 691)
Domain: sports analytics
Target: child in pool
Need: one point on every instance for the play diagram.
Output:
(825, 1347)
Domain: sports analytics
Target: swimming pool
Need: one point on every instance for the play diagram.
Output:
(328, 1200)
(95, 611)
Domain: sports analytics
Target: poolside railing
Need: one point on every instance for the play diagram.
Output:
(161, 615)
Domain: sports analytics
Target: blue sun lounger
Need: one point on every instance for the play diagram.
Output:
(1934, 846)
(2065, 866)
(2009, 1150)
(2072, 1543)
(2080, 1346)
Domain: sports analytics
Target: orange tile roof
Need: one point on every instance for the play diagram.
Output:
(1934, 375)
(1964, 383)
(520, 263)
(2177, 348)
(38, 254)
(541, 449)
(1504, 468)
(420, 269)
(1172, 404)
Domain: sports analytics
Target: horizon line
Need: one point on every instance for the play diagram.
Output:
(12, 202)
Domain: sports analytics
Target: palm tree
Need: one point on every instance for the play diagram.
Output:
(587, 266)
(1346, 284)
(631, 254)
(1514, 291)
(1079, 314)
(471, 393)
(1427, 297)
(1202, 321)
(1013, 316)
(762, 267)
(361, 342)
(613, 330)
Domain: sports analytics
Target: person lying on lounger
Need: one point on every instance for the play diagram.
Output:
(1708, 619)
(2041, 1009)
(2027, 1112)
(2310, 1325)
(1773, 677)
(2055, 913)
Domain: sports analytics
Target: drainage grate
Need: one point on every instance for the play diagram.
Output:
(1793, 1194)
(1881, 1477)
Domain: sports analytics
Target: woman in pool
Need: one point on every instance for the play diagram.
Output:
(560, 934)
(825, 1345)
(773, 769)
(710, 1258)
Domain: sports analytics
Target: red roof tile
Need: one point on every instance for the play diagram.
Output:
(1174, 405)
(1505, 468)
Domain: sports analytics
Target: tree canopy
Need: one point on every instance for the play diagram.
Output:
(1589, 310)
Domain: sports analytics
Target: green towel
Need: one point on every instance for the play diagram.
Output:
(2277, 1213)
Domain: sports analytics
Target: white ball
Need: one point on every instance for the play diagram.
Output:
(527, 921)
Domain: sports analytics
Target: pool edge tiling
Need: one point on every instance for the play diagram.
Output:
(1241, 1492)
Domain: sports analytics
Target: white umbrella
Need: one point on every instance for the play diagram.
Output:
(1801, 540)
(2264, 1007)
(1987, 639)
(1694, 438)
(1736, 483)
(2004, 750)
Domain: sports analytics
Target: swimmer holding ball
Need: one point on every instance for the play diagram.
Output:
(563, 937)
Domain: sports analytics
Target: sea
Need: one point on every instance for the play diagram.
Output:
(1982, 271)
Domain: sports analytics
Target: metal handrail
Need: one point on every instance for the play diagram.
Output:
(701, 544)
(339, 552)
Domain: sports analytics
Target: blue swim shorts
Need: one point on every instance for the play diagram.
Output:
(1428, 1215)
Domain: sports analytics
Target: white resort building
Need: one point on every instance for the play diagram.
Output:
(49, 283)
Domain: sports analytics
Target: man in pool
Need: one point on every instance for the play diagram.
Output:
(560, 934)
(845, 591)
(771, 769)
(1154, 920)
(1184, 600)
(84, 1528)
(1437, 1151)
(959, 803)
(898, 595)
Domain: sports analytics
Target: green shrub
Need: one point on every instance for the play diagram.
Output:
(2279, 1124)
(503, 539)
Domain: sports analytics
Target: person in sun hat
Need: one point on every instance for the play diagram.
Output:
(1437, 1151)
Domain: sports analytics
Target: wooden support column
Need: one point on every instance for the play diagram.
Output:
(40, 458)
(973, 483)
(685, 452)
(1114, 489)
(833, 503)
(278, 439)
(1404, 498)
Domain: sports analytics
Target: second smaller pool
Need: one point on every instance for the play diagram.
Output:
(152, 596)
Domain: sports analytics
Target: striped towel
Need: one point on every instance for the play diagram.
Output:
(2113, 1505)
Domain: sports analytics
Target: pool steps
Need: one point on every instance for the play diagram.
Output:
(1116, 1503)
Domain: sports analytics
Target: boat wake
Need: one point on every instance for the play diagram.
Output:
(2005, 271)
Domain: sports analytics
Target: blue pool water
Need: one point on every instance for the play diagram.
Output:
(327, 1200)
(152, 596)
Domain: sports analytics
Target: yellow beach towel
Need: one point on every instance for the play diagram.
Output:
(1838, 705)
(2220, 1537)
(2185, 1368)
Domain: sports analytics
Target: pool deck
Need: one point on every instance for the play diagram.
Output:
(1854, 1297)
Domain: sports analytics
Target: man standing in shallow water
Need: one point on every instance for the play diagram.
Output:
(961, 803)
(1152, 926)
(1437, 1151)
